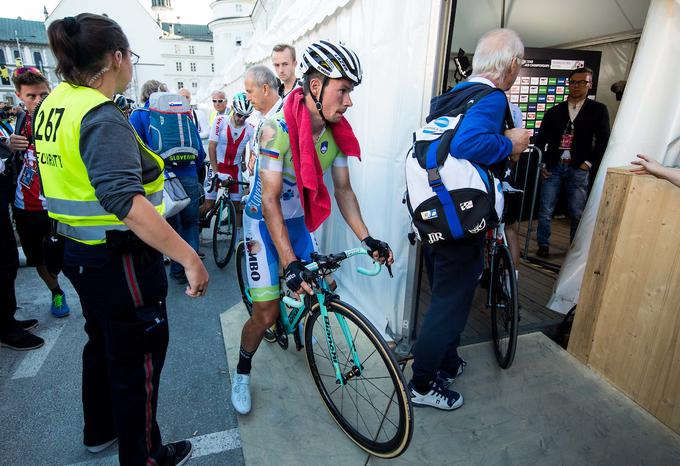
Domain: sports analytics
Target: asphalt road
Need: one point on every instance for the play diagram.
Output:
(40, 403)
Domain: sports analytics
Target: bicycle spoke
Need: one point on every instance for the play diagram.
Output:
(391, 398)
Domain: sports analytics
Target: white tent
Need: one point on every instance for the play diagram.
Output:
(401, 46)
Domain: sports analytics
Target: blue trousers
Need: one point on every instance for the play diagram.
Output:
(456, 269)
(575, 181)
(185, 223)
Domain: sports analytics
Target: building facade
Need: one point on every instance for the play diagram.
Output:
(232, 28)
(187, 56)
(24, 41)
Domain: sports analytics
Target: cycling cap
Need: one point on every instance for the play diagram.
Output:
(241, 105)
(333, 60)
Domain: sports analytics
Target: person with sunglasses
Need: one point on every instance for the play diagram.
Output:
(105, 189)
(228, 139)
(30, 207)
(219, 101)
(576, 133)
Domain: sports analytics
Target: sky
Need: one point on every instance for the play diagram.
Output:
(189, 11)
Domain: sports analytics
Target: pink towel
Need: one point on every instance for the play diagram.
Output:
(314, 197)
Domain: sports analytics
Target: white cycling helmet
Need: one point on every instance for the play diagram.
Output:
(241, 105)
(333, 60)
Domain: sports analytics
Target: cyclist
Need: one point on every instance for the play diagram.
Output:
(296, 145)
(228, 138)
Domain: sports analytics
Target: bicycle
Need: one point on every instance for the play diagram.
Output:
(502, 296)
(224, 228)
(366, 395)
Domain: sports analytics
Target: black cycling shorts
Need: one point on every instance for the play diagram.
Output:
(32, 227)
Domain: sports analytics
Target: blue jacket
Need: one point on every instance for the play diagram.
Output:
(140, 122)
(479, 137)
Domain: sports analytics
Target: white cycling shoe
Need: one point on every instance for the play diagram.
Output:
(240, 393)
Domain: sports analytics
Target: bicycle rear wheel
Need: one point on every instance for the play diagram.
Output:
(224, 232)
(242, 277)
(504, 307)
(372, 407)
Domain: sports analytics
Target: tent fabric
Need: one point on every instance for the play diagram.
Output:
(648, 123)
(393, 46)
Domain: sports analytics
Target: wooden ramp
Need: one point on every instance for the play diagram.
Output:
(535, 288)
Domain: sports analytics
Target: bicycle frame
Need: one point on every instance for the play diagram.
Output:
(300, 309)
(496, 237)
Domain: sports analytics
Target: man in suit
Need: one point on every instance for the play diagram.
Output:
(576, 133)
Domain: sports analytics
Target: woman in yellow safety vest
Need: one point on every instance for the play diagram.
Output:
(105, 190)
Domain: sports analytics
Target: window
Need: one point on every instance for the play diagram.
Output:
(194, 84)
(37, 59)
(238, 42)
(178, 49)
(2, 57)
(180, 84)
(212, 67)
(212, 50)
(192, 66)
(239, 8)
(16, 54)
(192, 50)
(178, 66)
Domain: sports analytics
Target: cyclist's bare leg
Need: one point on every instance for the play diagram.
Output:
(264, 316)
(205, 208)
(513, 243)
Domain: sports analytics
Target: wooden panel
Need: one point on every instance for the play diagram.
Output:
(599, 257)
(627, 326)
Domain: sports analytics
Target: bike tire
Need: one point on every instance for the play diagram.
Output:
(504, 307)
(242, 278)
(224, 232)
(383, 376)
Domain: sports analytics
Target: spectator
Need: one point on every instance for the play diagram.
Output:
(457, 266)
(202, 126)
(576, 133)
(219, 101)
(30, 206)
(186, 221)
(285, 62)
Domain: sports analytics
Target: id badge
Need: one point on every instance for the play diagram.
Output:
(565, 142)
(27, 175)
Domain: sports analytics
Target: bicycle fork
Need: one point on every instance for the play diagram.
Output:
(340, 378)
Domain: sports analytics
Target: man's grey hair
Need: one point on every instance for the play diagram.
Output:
(218, 95)
(150, 87)
(494, 54)
(263, 75)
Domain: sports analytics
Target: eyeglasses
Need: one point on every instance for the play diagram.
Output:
(579, 83)
(26, 69)
(134, 58)
(218, 101)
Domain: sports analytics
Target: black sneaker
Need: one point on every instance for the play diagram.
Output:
(543, 251)
(177, 453)
(28, 324)
(21, 340)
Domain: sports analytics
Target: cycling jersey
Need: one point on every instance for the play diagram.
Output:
(225, 134)
(277, 157)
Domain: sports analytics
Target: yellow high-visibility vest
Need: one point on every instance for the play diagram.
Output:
(70, 196)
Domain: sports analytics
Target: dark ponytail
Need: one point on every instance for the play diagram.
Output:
(81, 45)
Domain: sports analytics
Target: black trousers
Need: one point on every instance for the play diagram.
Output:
(123, 301)
(454, 275)
(9, 264)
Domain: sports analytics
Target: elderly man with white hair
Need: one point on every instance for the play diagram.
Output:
(483, 138)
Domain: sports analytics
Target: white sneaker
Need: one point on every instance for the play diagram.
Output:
(240, 393)
(438, 397)
(101, 447)
(444, 379)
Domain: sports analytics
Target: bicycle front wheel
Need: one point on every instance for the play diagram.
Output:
(224, 232)
(372, 407)
(504, 307)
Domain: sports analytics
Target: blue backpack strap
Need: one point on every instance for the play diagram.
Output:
(435, 182)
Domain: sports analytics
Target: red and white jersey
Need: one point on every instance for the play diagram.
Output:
(224, 133)
(28, 194)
